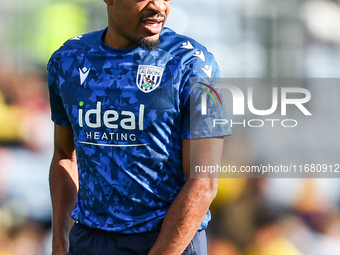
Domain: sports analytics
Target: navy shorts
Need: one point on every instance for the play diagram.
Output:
(89, 241)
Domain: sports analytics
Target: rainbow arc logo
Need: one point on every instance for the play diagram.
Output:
(204, 97)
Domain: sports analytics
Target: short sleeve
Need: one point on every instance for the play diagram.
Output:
(58, 113)
(204, 109)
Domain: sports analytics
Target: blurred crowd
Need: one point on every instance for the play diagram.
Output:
(274, 216)
(26, 134)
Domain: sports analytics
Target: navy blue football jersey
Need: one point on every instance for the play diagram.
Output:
(129, 110)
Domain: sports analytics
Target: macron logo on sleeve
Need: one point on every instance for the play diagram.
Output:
(83, 73)
(207, 70)
(187, 45)
(200, 54)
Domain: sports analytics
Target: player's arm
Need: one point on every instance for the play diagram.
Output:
(191, 204)
(64, 187)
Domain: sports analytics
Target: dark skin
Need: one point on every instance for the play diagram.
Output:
(132, 20)
(128, 22)
(64, 187)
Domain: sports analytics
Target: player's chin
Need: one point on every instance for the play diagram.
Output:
(152, 38)
(149, 42)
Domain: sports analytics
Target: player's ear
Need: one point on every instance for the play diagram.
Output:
(108, 2)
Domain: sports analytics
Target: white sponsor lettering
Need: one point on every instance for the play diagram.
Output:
(94, 118)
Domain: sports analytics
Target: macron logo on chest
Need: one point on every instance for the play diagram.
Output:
(83, 73)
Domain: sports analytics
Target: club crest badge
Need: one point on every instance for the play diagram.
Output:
(149, 77)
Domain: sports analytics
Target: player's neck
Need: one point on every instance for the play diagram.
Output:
(116, 41)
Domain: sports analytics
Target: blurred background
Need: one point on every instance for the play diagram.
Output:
(250, 39)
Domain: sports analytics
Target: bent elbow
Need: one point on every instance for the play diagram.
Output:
(209, 188)
(213, 188)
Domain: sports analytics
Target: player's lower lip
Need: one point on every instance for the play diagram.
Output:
(153, 27)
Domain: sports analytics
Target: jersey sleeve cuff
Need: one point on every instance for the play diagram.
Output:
(60, 122)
